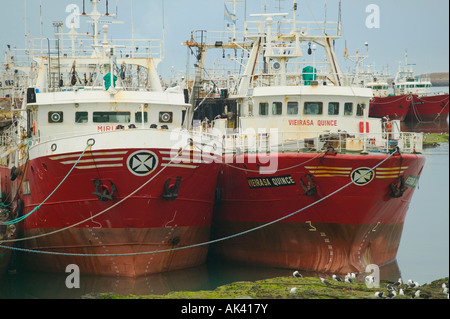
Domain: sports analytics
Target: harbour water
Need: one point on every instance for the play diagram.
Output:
(423, 253)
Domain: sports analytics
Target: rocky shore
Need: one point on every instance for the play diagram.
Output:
(304, 288)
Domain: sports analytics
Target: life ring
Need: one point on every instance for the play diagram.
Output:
(34, 128)
(388, 127)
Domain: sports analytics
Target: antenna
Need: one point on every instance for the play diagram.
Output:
(132, 23)
(26, 31)
(84, 8)
(339, 19)
(41, 25)
(107, 13)
(164, 30)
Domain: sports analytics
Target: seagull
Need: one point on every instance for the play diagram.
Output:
(398, 282)
(351, 275)
(369, 279)
(324, 281)
(336, 278)
(444, 288)
(348, 279)
(391, 294)
(413, 284)
(293, 290)
(416, 294)
(379, 294)
(297, 274)
(401, 292)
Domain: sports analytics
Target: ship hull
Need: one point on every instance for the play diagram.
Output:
(5, 258)
(396, 107)
(357, 226)
(109, 216)
(433, 108)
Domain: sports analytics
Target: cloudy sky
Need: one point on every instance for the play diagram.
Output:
(420, 27)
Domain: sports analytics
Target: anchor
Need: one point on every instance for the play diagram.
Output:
(103, 192)
(398, 189)
(171, 191)
(310, 189)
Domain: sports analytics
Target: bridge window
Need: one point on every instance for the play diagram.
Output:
(111, 117)
(348, 108)
(81, 117)
(277, 108)
(360, 109)
(263, 108)
(138, 117)
(333, 108)
(292, 108)
(313, 108)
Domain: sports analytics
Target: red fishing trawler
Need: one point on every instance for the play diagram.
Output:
(97, 167)
(309, 181)
(411, 100)
(396, 107)
(428, 108)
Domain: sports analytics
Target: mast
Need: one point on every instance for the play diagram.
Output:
(95, 16)
(232, 18)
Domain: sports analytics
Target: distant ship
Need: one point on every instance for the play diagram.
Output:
(411, 99)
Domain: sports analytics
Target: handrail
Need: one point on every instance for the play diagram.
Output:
(312, 141)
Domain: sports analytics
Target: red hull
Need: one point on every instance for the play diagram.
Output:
(429, 108)
(396, 107)
(132, 223)
(359, 225)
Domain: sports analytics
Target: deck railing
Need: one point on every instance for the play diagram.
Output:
(342, 142)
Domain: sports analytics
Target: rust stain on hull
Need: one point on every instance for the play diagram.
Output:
(139, 243)
(322, 247)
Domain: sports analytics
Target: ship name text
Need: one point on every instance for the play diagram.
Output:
(311, 123)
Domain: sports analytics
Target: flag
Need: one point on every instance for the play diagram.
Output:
(230, 16)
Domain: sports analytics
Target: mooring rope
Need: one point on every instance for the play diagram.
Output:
(98, 214)
(19, 219)
(210, 241)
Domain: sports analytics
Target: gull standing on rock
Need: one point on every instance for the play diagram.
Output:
(398, 282)
(379, 294)
(324, 281)
(413, 284)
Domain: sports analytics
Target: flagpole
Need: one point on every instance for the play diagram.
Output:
(232, 16)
